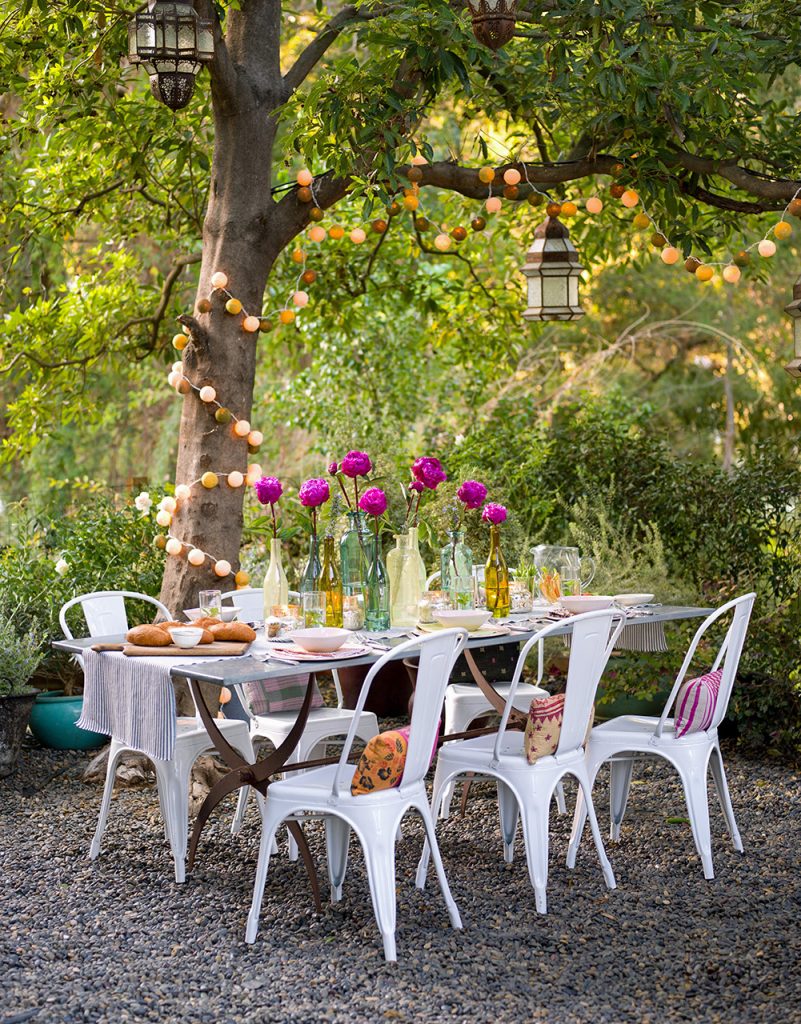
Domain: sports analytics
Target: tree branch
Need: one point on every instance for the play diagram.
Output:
(221, 68)
(309, 57)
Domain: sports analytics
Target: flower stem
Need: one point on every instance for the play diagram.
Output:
(275, 523)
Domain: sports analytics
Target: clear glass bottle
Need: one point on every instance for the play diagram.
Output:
(456, 569)
(377, 593)
(308, 581)
(276, 588)
(355, 553)
(414, 540)
(404, 582)
(329, 583)
(496, 577)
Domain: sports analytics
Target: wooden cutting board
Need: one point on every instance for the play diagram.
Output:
(217, 649)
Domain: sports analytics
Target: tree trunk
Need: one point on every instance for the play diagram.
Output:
(239, 238)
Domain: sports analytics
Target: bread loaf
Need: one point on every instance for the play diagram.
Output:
(240, 631)
(207, 637)
(206, 622)
(148, 636)
(167, 626)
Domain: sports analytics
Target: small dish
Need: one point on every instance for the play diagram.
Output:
(586, 603)
(228, 613)
(463, 618)
(320, 639)
(630, 600)
(185, 636)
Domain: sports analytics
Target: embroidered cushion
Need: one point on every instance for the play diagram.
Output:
(695, 704)
(286, 693)
(544, 727)
(383, 761)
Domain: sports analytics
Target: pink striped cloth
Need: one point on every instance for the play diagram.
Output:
(695, 704)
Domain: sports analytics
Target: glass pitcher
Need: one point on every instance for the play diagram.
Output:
(561, 571)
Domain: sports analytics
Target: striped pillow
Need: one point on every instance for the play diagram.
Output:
(695, 704)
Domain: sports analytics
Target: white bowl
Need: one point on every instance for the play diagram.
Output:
(463, 618)
(629, 600)
(320, 639)
(227, 613)
(586, 603)
(185, 636)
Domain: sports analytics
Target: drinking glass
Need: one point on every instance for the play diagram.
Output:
(210, 603)
(313, 608)
(353, 611)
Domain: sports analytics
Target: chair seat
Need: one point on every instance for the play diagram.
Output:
(315, 785)
(317, 715)
(525, 691)
(194, 727)
(476, 753)
(639, 729)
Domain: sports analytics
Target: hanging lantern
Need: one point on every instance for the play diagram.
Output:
(794, 312)
(553, 270)
(493, 21)
(173, 44)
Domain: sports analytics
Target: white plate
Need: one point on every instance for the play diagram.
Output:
(227, 613)
(320, 639)
(629, 600)
(586, 603)
(465, 618)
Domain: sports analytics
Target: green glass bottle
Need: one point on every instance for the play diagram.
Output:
(308, 581)
(330, 584)
(496, 577)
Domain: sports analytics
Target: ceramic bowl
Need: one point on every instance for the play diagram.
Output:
(320, 639)
(227, 613)
(185, 636)
(464, 618)
(586, 603)
(629, 600)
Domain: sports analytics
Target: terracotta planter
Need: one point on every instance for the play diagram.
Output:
(14, 714)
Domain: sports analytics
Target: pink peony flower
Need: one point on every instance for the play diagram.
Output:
(333, 468)
(472, 494)
(268, 490)
(373, 501)
(314, 492)
(493, 513)
(416, 486)
(356, 464)
(429, 472)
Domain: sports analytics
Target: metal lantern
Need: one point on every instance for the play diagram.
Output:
(794, 311)
(553, 269)
(493, 21)
(173, 43)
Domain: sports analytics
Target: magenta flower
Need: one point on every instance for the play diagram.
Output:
(429, 472)
(356, 464)
(333, 468)
(472, 494)
(493, 513)
(268, 490)
(373, 501)
(314, 492)
(417, 487)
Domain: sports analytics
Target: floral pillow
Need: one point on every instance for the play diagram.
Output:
(544, 727)
(383, 761)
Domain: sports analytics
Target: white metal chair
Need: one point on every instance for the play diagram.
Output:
(621, 739)
(526, 789)
(251, 601)
(105, 615)
(374, 817)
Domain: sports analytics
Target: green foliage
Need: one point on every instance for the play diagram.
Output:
(21, 652)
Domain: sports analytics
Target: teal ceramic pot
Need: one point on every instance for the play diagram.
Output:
(624, 704)
(53, 721)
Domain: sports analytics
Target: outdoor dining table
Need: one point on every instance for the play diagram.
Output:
(232, 671)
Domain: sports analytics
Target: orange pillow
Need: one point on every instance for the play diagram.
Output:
(382, 762)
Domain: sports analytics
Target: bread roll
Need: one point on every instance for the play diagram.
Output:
(206, 622)
(239, 631)
(148, 636)
(167, 626)
(207, 637)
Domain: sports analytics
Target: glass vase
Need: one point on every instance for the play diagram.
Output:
(377, 593)
(404, 581)
(355, 554)
(308, 581)
(456, 569)
(276, 588)
(329, 583)
(496, 577)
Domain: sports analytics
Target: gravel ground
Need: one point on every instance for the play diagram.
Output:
(117, 940)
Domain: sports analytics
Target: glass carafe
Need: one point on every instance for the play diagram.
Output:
(355, 554)
(560, 571)
(456, 570)
(403, 566)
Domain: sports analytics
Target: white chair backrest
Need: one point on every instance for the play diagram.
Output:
(438, 654)
(728, 655)
(104, 611)
(250, 600)
(593, 639)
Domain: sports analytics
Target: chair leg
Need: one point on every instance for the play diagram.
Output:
(114, 755)
(534, 816)
(440, 786)
(693, 778)
(619, 786)
(379, 856)
(173, 781)
(722, 788)
(561, 806)
(269, 824)
(450, 902)
(585, 786)
(508, 812)
(337, 839)
(580, 815)
(241, 810)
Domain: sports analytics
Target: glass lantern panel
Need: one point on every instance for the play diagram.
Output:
(535, 292)
(205, 43)
(572, 290)
(145, 36)
(186, 36)
(554, 292)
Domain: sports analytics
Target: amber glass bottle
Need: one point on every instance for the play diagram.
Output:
(496, 577)
(330, 584)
